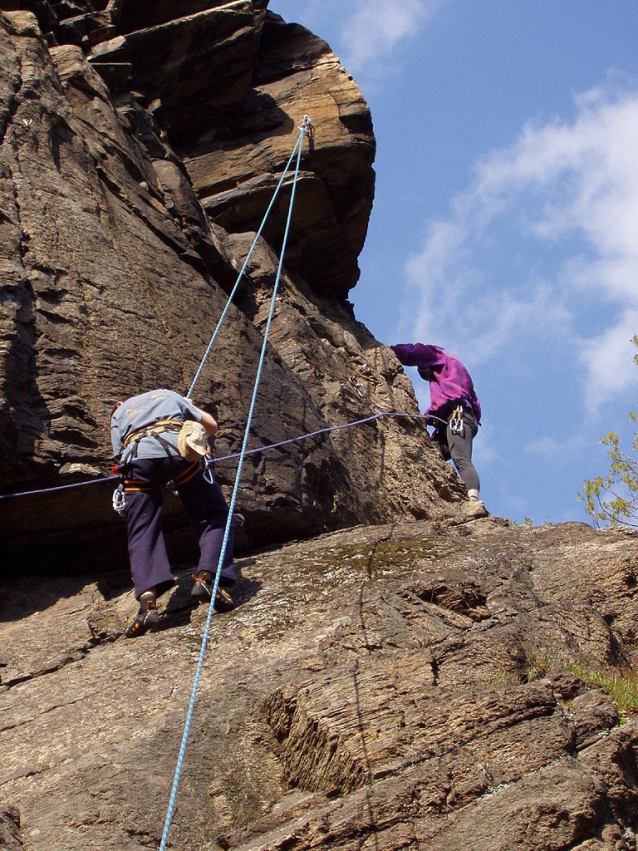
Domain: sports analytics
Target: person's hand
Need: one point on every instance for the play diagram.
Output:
(209, 422)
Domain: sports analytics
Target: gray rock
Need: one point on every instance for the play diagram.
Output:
(124, 220)
(406, 685)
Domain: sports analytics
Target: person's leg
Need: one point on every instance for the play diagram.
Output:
(150, 567)
(207, 508)
(461, 454)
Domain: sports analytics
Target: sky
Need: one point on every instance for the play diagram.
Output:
(505, 221)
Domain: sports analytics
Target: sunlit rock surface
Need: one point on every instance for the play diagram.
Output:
(415, 685)
(139, 147)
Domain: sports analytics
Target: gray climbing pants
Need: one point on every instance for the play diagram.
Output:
(458, 448)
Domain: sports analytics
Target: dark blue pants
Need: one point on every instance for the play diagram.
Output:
(204, 504)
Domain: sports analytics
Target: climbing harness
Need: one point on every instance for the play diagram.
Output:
(131, 446)
(152, 430)
(456, 421)
(191, 445)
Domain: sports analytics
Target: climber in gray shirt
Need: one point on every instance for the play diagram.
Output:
(145, 435)
(156, 406)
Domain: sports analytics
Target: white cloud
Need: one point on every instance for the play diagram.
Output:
(553, 448)
(565, 194)
(608, 359)
(379, 26)
(364, 33)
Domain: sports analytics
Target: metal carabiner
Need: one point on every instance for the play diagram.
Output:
(207, 462)
(456, 422)
(119, 500)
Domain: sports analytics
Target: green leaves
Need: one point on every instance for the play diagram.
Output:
(612, 500)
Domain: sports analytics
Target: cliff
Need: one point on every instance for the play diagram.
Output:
(401, 678)
(140, 145)
(407, 686)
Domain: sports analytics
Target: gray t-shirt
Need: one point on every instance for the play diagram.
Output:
(144, 410)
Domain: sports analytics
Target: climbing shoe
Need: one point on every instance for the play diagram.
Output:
(146, 619)
(475, 508)
(202, 591)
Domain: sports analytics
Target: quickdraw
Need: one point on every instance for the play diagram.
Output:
(119, 500)
(456, 421)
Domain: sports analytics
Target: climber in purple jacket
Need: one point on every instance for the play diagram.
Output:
(454, 410)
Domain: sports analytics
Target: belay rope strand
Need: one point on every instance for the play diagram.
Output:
(304, 127)
(268, 446)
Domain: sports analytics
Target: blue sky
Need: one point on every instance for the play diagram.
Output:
(505, 223)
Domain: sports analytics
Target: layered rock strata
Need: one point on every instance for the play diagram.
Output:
(409, 686)
(139, 146)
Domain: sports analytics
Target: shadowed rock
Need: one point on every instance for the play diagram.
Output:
(10, 829)
(128, 201)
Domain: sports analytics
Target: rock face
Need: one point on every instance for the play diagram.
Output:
(140, 143)
(415, 685)
(421, 683)
(10, 829)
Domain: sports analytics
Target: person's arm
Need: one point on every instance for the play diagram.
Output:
(209, 423)
(191, 411)
(116, 439)
(419, 354)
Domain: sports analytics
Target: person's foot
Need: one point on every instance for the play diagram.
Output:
(146, 619)
(202, 591)
(475, 508)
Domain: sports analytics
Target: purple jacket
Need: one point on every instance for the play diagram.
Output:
(451, 381)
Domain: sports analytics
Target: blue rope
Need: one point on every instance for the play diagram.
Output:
(325, 431)
(211, 608)
(245, 264)
(58, 488)
(236, 454)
